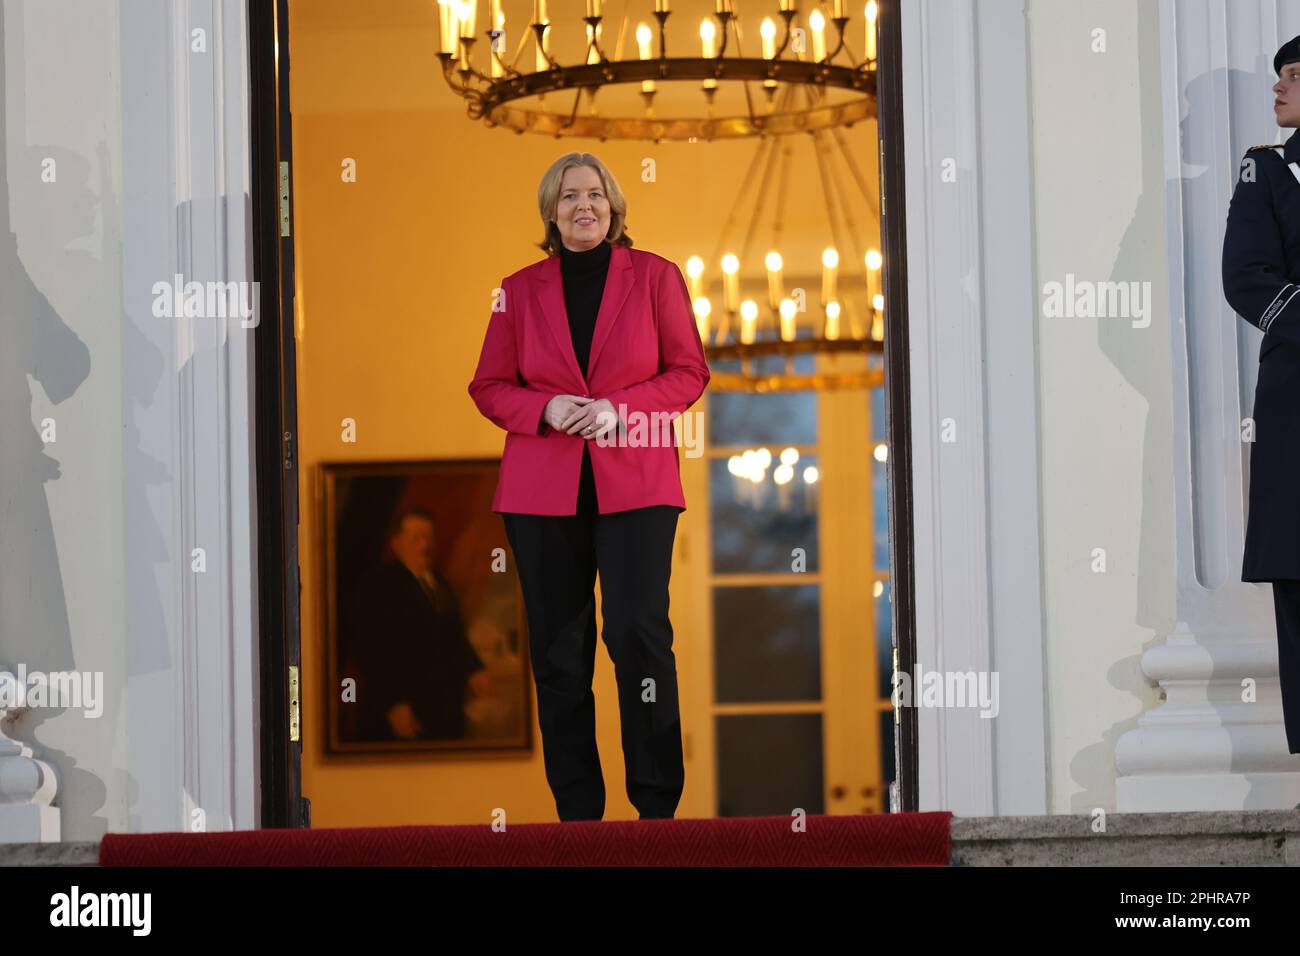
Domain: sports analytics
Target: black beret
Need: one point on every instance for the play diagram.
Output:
(1289, 53)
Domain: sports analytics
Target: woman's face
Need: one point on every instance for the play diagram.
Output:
(582, 215)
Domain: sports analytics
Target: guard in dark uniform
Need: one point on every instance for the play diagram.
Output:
(1261, 268)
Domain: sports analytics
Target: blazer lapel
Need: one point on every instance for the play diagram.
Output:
(618, 285)
(550, 299)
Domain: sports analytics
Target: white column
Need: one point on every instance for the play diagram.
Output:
(192, 682)
(971, 314)
(140, 113)
(1205, 748)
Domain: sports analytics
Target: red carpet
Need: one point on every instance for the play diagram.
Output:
(887, 839)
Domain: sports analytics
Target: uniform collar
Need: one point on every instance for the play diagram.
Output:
(1292, 149)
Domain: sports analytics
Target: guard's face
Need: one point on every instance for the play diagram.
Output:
(582, 215)
(1286, 106)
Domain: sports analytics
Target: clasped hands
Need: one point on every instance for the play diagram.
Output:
(580, 415)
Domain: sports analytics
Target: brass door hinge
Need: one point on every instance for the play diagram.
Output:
(295, 703)
(284, 198)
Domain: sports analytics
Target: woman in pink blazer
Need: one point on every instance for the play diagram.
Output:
(589, 355)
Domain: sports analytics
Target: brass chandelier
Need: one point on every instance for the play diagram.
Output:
(812, 83)
(838, 314)
(807, 55)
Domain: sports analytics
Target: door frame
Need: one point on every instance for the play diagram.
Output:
(898, 387)
(279, 584)
(976, 574)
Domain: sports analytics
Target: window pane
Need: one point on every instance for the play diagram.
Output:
(884, 638)
(880, 514)
(767, 643)
(769, 764)
(757, 525)
(878, 423)
(744, 418)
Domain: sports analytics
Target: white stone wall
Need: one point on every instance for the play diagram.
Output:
(125, 442)
(1080, 531)
(1105, 446)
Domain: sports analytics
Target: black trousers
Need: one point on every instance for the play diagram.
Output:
(557, 558)
(1286, 607)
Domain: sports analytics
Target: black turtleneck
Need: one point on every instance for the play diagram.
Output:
(584, 285)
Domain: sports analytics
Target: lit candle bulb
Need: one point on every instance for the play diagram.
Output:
(708, 32)
(644, 38)
(767, 30)
(871, 30)
(750, 474)
(781, 476)
(731, 282)
(709, 44)
(810, 476)
(830, 264)
(748, 321)
(832, 320)
(447, 27)
(467, 11)
(789, 311)
(694, 270)
(877, 315)
(873, 262)
(817, 23)
(702, 308)
(499, 49)
(775, 290)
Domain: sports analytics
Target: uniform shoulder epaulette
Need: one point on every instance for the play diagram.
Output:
(1274, 146)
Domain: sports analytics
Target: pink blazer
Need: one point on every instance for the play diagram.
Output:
(646, 357)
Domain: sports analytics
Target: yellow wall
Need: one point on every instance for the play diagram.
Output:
(394, 279)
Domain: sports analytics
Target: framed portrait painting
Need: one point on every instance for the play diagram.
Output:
(425, 638)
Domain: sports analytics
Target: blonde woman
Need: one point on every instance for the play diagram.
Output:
(588, 354)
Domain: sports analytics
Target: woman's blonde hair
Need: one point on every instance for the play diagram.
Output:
(548, 201)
